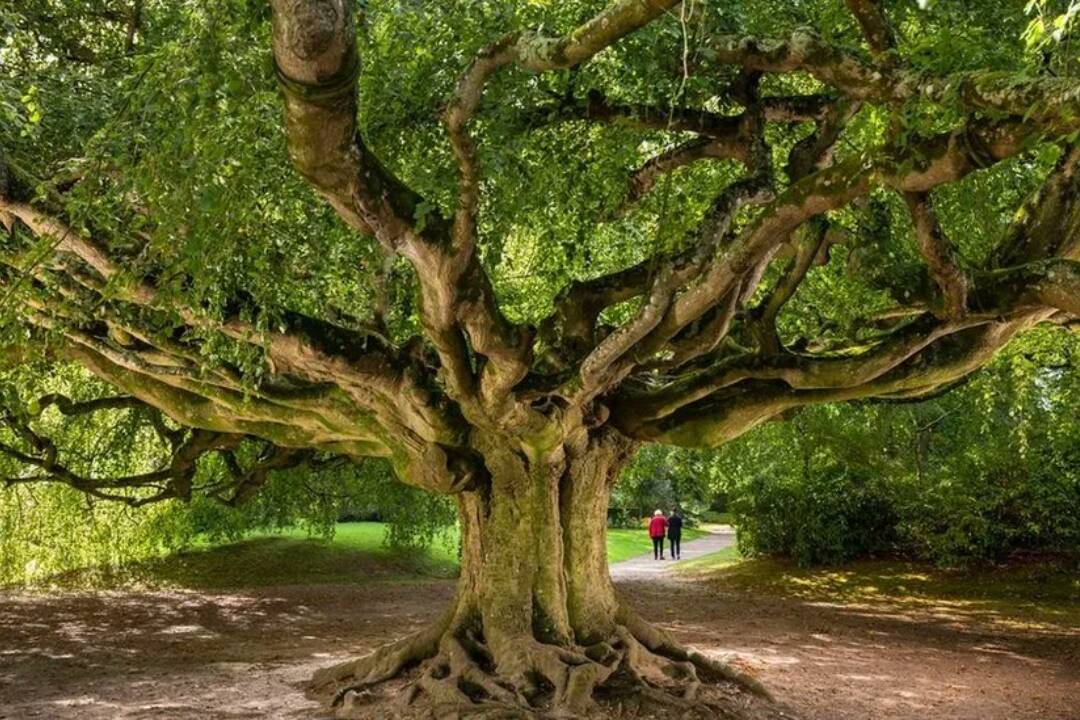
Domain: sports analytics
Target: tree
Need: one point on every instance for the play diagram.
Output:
(673, 311)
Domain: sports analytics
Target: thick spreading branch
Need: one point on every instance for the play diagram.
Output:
(315, 52)
(693, 343)
(1048, 103)
(346, 394)
(538, 442)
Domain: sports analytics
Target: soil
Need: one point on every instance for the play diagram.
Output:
(181, 655)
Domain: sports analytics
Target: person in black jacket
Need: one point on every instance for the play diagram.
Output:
(674, 533)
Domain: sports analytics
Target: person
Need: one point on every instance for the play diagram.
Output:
(674, 534)
(657, 526)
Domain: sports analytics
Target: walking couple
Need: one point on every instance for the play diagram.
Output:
(672, 525)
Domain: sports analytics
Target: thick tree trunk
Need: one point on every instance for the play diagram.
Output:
(536, 629)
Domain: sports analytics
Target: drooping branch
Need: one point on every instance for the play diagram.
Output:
(945, 159)
(818, 187)
(721, 417)
(363, 366)
(336, 392)
(245, 482)
(739, 392)
(172, 480)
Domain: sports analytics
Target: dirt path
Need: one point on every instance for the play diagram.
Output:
(199, 655)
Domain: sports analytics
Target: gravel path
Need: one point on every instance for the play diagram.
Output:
(644, 567)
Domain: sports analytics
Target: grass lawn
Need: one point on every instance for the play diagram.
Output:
(712, 561)
(356, 554)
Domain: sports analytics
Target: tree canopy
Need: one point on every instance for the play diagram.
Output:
(615, 234)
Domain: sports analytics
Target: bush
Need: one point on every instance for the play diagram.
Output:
(830, 517)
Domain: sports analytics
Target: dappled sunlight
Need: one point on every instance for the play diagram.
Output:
(882, 639)
(905, 593)
(180, 654)
(755, 660)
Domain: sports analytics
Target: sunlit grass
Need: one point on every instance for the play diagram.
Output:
(710, 562)
(355, 554)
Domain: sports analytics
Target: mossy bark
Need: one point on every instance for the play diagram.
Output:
(536, 629)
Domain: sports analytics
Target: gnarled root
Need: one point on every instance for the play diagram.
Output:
(661, 643)
(639, 670)
(387, 662)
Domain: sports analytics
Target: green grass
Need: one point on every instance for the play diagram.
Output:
(623, 544)
(355, 554)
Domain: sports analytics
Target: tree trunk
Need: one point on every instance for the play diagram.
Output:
(536, 628)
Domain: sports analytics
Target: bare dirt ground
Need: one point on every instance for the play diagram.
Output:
(180, 655)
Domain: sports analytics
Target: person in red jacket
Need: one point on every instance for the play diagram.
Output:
(657, 528)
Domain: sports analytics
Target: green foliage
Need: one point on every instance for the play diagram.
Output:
(824, 515)
(989, 469)
(174, 150)
(50, 529)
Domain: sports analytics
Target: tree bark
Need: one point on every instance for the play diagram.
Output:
(537, 628)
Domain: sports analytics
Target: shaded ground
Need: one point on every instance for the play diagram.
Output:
(834, 646)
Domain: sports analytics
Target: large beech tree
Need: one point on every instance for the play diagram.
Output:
(561, 232)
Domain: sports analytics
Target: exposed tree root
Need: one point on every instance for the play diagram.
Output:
(386, 662)
(661, 643)
(638, 671)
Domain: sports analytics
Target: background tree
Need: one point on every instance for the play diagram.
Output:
(558, 232)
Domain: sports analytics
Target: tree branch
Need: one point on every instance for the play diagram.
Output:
(1047, 103)
(938, 255)
(315, 52)
(874, 25)
(173, 480)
